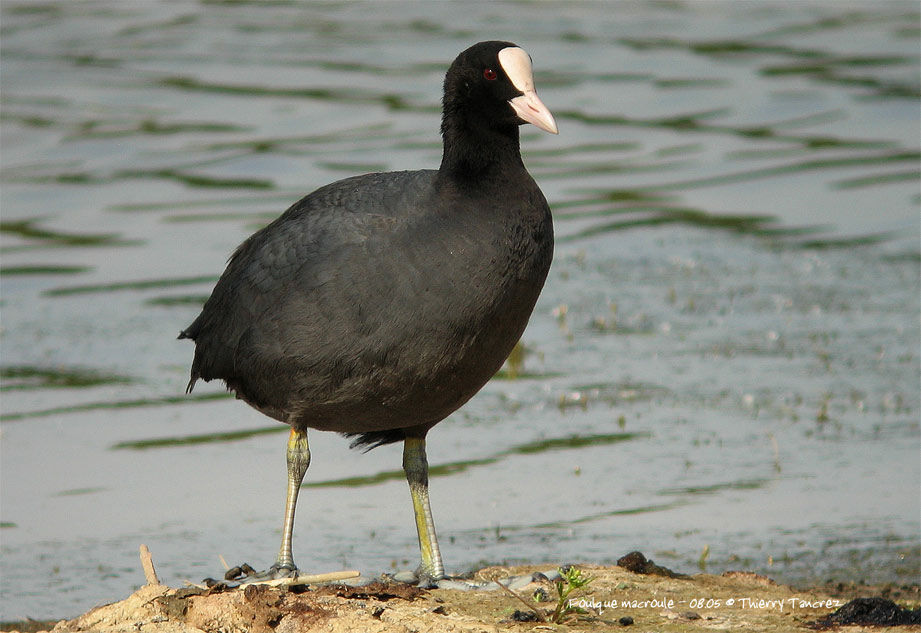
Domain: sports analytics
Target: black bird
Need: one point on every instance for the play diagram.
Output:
(379, 304)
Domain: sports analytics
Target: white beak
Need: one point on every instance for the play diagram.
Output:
(517, 65)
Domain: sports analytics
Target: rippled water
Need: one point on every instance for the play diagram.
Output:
(726, 353)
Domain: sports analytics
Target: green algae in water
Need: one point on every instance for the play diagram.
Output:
(656, 507)
(351, 95)
(73, 492)
(49, 269)
(748, 484)
(113, 405)
(530, 448)
(205, 438)
(119, 286)
(24, 377)
(572, 441)
(28, 230)
(198, 180)
(184, 300)
(100, 129)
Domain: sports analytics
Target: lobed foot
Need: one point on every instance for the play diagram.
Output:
(245, 573)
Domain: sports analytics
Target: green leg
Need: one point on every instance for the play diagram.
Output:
(417, 474)
(298, 455)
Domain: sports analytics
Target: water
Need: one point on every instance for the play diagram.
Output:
(726, 353)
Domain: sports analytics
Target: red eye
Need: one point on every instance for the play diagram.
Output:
(490, 74)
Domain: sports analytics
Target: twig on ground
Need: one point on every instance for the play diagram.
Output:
(147, 563)
(303, 580)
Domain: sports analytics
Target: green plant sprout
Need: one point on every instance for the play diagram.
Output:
(572, 580)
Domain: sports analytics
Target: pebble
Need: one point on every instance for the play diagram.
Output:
(519, 582)
(360, 581)
(408, 577)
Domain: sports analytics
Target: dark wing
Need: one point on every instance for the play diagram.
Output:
(312, 299)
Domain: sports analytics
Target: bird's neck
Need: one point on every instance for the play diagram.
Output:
(475, 153)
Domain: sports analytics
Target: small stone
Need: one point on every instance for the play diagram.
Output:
(408, 577)
(524, 616)
(360, 581)
(517, 583)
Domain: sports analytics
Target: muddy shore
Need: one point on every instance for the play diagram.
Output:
(635, 595)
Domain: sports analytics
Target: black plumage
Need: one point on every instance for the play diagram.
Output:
(377, 305)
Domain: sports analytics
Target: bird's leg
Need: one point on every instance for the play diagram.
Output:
(417, 474)
(298, 458)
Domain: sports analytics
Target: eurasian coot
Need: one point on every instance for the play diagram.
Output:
(379, 304)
